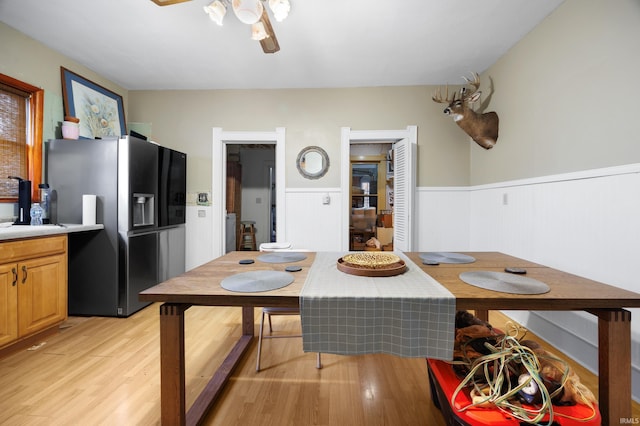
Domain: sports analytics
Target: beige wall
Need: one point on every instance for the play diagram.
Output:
(30, 61)
(184, 119)
(567, 95)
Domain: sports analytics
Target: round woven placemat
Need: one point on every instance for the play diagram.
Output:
(446, 257)
(503, 282)
(256, 281)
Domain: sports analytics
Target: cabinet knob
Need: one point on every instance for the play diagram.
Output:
(15, 276)
(24, 274)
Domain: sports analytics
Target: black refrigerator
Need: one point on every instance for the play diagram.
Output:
(140, 199)
(172, 197)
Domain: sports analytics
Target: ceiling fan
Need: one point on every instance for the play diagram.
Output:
(250, 12)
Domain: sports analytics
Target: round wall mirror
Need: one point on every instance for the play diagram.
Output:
(312, 162)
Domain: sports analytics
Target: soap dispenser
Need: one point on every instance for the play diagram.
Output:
(24, 201)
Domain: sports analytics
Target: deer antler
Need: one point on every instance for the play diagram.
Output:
(475, 83)
(437, 96)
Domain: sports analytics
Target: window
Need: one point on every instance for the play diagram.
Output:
(21, 110)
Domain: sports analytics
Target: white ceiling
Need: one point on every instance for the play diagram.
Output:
(324, 43)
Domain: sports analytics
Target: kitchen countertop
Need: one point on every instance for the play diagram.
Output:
(25, 231)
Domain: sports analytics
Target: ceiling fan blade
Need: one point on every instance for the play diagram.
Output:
(270, 43)
(168, 2)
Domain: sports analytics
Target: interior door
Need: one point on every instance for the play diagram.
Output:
(403, 189)
(405, 142)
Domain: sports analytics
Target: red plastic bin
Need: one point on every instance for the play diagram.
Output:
(444, 381)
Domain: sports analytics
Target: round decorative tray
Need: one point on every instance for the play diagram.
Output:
(395, 269)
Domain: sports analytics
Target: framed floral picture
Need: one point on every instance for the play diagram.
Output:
(100, 111)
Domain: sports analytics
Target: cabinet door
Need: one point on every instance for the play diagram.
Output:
(42, 295)
(8, 303)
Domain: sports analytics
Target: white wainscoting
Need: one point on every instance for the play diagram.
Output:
(311, 224)
(442, 220)
(585, 223)
(198, 228)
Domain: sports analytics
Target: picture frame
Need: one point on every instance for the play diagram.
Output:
(390, 163)
(100, 111)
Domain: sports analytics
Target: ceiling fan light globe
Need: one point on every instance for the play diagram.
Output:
(280, 9)
(258, 32)
(247, 11)
(216, 11)
(216, 19)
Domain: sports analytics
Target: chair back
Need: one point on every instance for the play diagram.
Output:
(281, 246)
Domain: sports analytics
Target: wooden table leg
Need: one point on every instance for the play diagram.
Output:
(248, 325)
(614, 365)
(172, 372)
(482, 314)
(213, 389)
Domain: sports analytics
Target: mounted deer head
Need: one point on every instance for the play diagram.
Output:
(483, 128)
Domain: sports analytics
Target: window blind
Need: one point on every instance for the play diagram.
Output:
(14, 113)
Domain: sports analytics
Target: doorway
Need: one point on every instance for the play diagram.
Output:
(371, 197)
(250, 193)
(222, 141)
(403, 161)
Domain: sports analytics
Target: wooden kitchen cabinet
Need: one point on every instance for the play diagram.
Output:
(8, 304)
(33, 288)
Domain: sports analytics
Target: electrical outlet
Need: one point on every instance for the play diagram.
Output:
(202, 213)
(505, 199)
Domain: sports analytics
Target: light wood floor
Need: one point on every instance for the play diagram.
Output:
(100, 371)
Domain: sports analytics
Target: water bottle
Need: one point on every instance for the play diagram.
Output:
(36, 214)
(45, 202)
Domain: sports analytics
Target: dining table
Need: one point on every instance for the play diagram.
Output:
(203, 286)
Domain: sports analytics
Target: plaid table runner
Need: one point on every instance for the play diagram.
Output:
(408, 315)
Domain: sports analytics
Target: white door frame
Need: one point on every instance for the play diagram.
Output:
(349, 137)
(219, 178)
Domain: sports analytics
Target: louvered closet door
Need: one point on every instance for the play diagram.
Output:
(404, 192)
